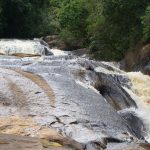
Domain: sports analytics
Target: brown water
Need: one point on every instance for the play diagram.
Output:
(141, 94)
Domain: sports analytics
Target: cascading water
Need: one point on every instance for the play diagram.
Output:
(139, 90)
(77, 109)
(141, 94)
(24, 47)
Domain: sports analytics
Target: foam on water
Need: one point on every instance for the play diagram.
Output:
(32, 47)
(58, 52)
(141, 94)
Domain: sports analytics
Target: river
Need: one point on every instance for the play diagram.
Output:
(89, 101)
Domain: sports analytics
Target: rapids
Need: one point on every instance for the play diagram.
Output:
(141, 94)
(23, 47)
(139, 90)
(94, 103)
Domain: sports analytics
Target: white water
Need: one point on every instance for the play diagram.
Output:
(10, 47)
(141, 94)
(58, 52)
(26, 47)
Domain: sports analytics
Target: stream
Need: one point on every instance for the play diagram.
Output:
(92, 102)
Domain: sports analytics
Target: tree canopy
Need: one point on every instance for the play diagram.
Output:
(24, 18)
(108, 27)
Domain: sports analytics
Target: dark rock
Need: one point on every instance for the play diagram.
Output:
(80, 52)
(146, 69)
(110, 86)
(95, 146)
(135, 124)
(54, 41)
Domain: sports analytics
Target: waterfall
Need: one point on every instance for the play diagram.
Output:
(141, 94)
(89, 98)
(24, 47)
(139, 90)
(58, 52)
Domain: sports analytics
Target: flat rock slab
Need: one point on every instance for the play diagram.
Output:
(58, 92)
(12, 142)
(129, 146)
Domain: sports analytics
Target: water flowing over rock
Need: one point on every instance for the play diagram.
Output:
(93, 103)
(141, 94)
(24, 48)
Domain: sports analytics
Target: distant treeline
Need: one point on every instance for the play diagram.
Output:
(108, 27)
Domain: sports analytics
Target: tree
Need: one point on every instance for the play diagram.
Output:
(108, 27)
(146, 25)
(121, 28)
(72, 17)
(25, 18)
(2, 23)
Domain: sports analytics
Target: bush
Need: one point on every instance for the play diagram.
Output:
(118, 28)
(146, 25)
(108, 27)
(25, 18)
(72, 17)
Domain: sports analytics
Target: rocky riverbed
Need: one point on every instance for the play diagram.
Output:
(69, 102)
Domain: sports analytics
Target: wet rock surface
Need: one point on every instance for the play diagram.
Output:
(77, 97)
(146, 69)
(138, 127)
(129, 146)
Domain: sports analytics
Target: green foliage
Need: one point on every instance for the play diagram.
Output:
(72, 17)
(25, 18)
(121, 29)
(146, 24)
(108, 27)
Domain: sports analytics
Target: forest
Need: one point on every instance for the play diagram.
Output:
(109, 28)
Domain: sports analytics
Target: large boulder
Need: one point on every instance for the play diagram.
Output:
(55, 42)
(138, 60)
(146, 69)
(83, 52)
